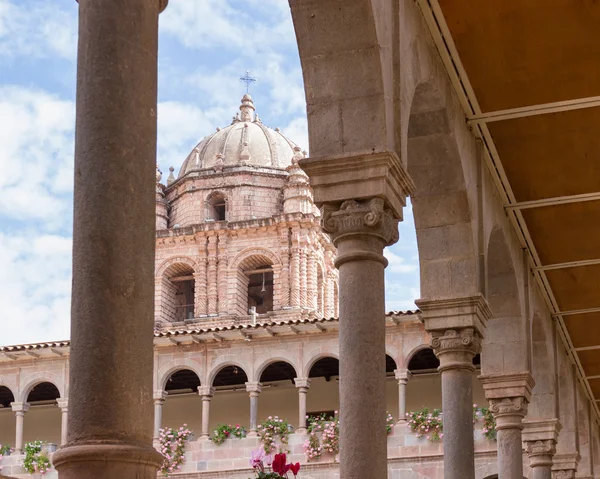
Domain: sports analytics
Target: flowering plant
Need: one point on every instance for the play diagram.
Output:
(426, 423)
(35, 460)
(389, 422)
(226, 431)
(5, 450)
(279, 468)
(172, 447)
(489, 423)
(270, 429)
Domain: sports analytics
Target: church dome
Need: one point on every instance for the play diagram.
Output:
(245, 142)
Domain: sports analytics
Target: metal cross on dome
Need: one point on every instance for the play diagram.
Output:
(248, 80)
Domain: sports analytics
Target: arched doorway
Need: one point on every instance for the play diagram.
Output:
(324, 396)
(7, 417)
(230, 404)
(43, 420)
(183, 404)
(279, 396)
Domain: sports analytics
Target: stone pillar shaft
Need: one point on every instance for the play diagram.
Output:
(254, 389)
(63, 404)
(19, 408)
(113, 244)
(303, 384)
(206, 393)
(402, 375)
(303, 279)
(295, 278)
(159, 400)
(540, 438)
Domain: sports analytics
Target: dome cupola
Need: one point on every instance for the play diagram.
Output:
(245, 142)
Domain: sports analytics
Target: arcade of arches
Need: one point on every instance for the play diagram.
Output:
(485, 117)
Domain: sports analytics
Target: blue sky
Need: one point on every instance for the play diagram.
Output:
(205, 46)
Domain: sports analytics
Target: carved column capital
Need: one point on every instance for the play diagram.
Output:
(366, 217)
(564, 465)
(540, 452)
(20, 407)
(303, 384)
(509, 412)
(159, 396)
(455, 348)
(63, 404)
(563, 474)
(206, 392)
(402, 375)
(254, 388)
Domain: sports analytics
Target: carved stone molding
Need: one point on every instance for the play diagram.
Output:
(359, 217)
(206, 392)
(402, 375)
(159, 396)
(564, 474)
(455, 348)
(254, 388)
(464, 312)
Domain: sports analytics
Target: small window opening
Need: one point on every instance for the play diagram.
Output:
(184, 297)
(217, 208)
(260, 289)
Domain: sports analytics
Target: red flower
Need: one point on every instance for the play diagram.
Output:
(294, 468)
(278, 465)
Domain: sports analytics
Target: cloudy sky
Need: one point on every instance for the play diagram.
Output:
(205, 46)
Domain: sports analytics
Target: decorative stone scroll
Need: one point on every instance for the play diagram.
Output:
(455, 348)
(360, 217)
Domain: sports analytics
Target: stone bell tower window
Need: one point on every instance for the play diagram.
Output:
(217, 207)
(260, 289)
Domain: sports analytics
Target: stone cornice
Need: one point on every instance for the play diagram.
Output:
(500, 386)
(541, 430)
(451, 313)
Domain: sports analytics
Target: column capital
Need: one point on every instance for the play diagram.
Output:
(63, 404)
(359, 217)
(302, 383)
(336, 179)
(540, 452)
(465, 312)
(541, 430)
(159, 396)
(206, 392)
(402, 375)
(565, 465)
(162, 4)
(502, 386)
(253, 387)
(20, 406)
(456, 348)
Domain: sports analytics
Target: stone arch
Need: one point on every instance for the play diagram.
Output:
(393, 353)
(505, 341)
(26, 390)
(175, 286)
(255, 276)
(316, 358)
(217, 368)
(260, 369)
(414, 351)
(7, 395)
(334, 97)
(175, 365)
(442, 211)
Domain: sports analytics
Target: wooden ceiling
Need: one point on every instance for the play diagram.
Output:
(528, 76)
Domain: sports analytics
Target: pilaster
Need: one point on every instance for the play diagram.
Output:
(540, 438)
(564, 466)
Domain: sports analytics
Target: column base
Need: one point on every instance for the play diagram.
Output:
(252, 434)
(107, 460)
(300, 430)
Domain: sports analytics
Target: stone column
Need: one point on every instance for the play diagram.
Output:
(254, 389)
(295, 277)
(361, 200)
(303, 277)
(211, 286)
(402, 375)
(19, 408)
(110, 422)
(456, 326)
(63, 404)
(222, 268)
(303, 384)
(206, 393)
(540, 438)
(509, 395)
(311, 281)
(159, 400)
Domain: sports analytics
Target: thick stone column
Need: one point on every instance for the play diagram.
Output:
(63, 404)
(402, 375)
(303, 384)
(361, 200)
(206, 393)
(540, 438)
(456, 326)
(509, 395)
(159, 399)
(19, 408)
(110, 417)
(254, 389)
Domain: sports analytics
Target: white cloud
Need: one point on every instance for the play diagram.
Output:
(38, 29)
(36, 158)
